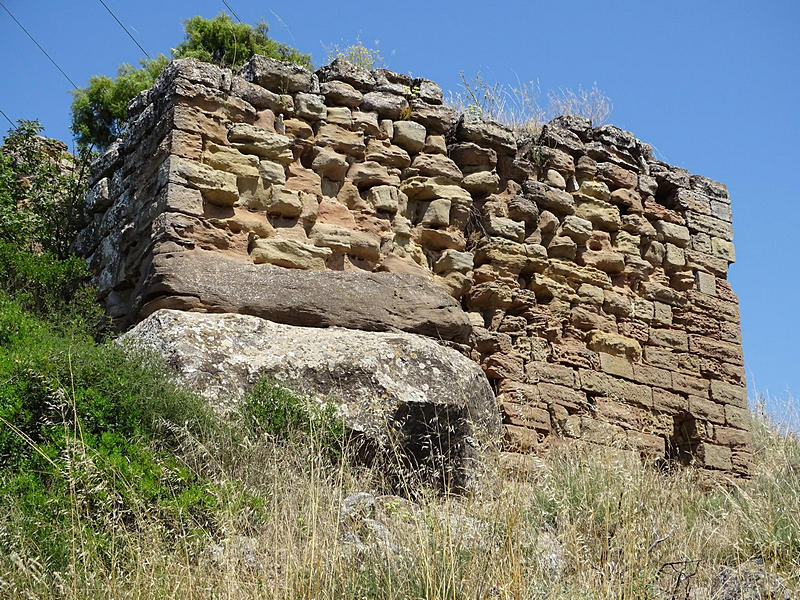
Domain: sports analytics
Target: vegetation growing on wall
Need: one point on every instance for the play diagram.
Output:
(99, 110)
(358, 54)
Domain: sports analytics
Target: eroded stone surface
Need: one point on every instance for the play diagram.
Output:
(403, 392)
(591, 275)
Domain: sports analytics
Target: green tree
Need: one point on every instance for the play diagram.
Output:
(100, 109)
(42, 190)
(228, 44)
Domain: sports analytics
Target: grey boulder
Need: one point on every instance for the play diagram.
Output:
(414, 401)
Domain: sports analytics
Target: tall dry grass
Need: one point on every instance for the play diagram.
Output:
(523, 107)
(584, 523)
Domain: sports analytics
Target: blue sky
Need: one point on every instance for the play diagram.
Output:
(714, 86)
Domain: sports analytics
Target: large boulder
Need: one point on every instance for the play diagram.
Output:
(213, 282)
(406, 394)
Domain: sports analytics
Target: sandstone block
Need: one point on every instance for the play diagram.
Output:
(723, 249)
(409, 135)
(668, 402)
(481, 182)
(522, 415)
(386, 105)
(453, 260)
(370, 173)
(727, 393)
(284, 202)
(602, 215)
(614, 344)
(217, 187)
(737, 417)
(288, 253)
(717, 349)
(687, 384)
(671, 338)
(436, 165)
(728, 436)
(340, 93)
(507, 228)
(703, 408)
(712, 456)
(310, 107)
(256, 140)
(330, 164)
(567, 397)
(271, 172)
(619, 366)
(339, 115)
(384, 198)
(343, 70)
(486, 133)
(675, 234)
(520, 439)
(577, 228)
(595, 189)
(387, 154)
(652, 376)
(335, 237)
(710, 225)
(549, 198)
(341, 140)
(435, 213)
(276, 75)
(231, 160)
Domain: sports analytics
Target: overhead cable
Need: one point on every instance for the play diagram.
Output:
(7, 119)
(38, 45)
(130, 35)
(232, 11)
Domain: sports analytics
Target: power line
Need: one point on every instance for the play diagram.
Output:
(38, 45)
(232, 11)
(130, 35)
(7, 119)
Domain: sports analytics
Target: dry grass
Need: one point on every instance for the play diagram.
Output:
(519, 106)
(585, 524)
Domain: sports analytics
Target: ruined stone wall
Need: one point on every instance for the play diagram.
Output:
(592, 275)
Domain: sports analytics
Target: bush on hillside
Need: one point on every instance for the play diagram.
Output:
(86, 434)
(42, 191)
(99, 110)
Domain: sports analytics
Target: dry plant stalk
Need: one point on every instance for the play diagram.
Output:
(518, 107)
(587, 522)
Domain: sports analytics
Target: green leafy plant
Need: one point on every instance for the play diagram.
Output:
(222, 42)
(99, 110)
(279, 412)
(358, 54)
(42, 190)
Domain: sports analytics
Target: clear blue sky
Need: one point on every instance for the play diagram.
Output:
(714, 86)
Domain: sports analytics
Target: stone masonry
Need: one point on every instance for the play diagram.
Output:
(592, 277)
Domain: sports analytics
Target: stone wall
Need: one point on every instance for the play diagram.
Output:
(592, 277)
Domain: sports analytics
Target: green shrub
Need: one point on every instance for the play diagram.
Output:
(87, 432)
(358, 54)
(53, 289)
(274, 410)
(42, 191)
(99, 110)
(222, 42)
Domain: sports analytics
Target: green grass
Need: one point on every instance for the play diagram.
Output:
(117, 483)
